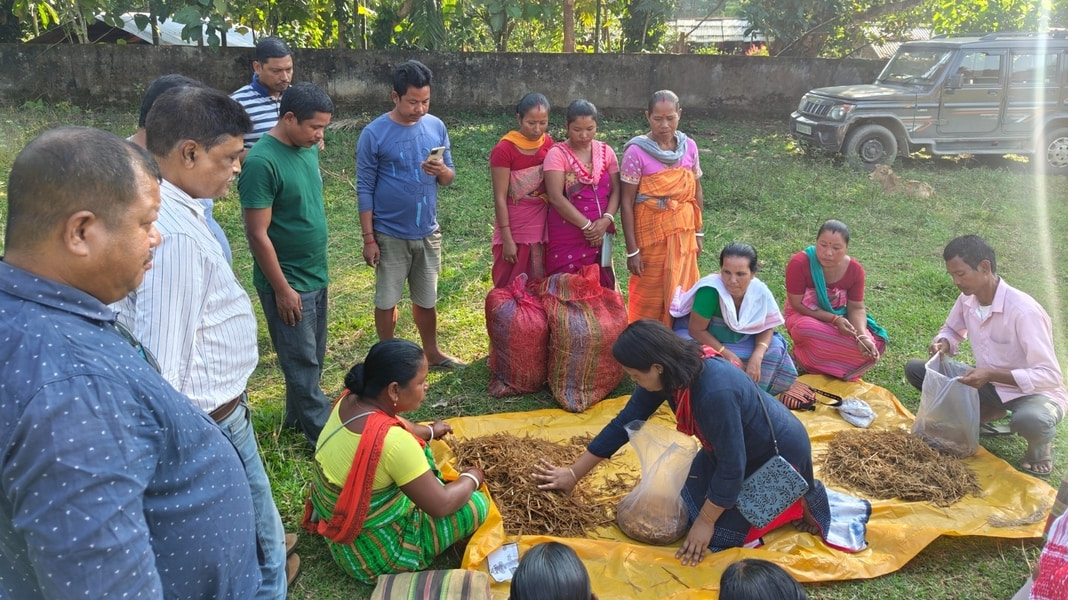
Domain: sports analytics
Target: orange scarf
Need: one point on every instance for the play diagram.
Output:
(523, 142)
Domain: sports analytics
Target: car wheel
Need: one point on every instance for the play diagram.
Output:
(1056, 151)
(870, 145)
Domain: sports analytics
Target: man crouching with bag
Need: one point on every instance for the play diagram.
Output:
(1016, 370)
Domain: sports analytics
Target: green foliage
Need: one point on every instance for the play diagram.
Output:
(836, 28)
(645, 24)
(990, 15)
(502, 16)
(10, 26)
(416, 24)
(784, 22)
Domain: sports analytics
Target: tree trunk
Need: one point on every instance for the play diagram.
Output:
(342, 24)
(569, 25)
(597, 28)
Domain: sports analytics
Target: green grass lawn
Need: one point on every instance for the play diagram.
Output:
(758, 189)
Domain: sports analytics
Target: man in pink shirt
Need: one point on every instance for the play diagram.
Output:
(1012, 339)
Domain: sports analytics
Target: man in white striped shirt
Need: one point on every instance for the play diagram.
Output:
(272, 74)
(190, 310)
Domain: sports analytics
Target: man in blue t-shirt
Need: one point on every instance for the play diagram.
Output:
(401, 159)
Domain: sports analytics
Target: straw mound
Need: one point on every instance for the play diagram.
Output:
(896, 464)
(508, 462)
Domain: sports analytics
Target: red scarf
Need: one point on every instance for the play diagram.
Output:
(355, 498)
(684, 419)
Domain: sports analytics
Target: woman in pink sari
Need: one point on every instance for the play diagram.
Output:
(582, 180)
(825, 313)
(519, 199)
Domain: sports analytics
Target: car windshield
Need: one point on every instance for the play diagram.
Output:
(915, 66)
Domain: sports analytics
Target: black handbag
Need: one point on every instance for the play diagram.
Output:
(772, 488)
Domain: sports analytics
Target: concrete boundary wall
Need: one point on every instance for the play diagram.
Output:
(115, 75)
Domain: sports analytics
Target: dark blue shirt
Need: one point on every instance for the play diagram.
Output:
(726, 408)
(112, 484)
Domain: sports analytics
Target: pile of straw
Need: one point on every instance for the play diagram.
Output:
(508, 462)
(896, 464)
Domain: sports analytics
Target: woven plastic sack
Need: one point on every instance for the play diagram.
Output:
(948, 417)
(584, 321)
(452, 584)
(518, 340)
(653, 512)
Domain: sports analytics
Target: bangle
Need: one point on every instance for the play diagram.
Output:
(366, 243)
(478, 483)
(431, 428)
(701, 513)
(635, 253)
(572, 471)
(369, 234)
(588, 225)
(765, 344)
(834, 321)
(699, 235)
(721, 348)
(610, 216)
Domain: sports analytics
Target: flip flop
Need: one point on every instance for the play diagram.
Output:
(1028, 462)
(449, 364)
(994, 430)
(291, 544)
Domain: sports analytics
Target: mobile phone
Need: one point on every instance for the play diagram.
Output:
(436, 153)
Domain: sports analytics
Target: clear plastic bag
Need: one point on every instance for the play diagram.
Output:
(948, 417)
(653, 512)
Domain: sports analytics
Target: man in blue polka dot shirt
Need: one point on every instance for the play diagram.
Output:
(112, 484)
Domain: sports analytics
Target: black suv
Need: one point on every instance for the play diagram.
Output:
(1002, 93)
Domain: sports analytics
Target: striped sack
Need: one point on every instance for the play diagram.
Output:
(452, 584)
(518, 340)
(584, 321)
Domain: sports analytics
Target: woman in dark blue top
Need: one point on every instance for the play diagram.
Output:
(719, 404)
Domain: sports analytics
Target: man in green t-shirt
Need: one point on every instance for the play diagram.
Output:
(285, 221)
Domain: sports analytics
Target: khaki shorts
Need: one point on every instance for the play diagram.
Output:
(416, 261)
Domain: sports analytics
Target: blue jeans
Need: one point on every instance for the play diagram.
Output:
(269, 531)
(300, 351)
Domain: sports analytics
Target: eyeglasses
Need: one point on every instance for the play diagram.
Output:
(130, 339)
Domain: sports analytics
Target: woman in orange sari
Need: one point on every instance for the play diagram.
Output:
(661, 211)
(519, 198)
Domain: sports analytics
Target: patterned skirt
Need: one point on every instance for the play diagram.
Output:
(397, 536)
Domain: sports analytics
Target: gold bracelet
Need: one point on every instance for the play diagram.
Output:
(701, 513)
(572, 471)
(765, 344)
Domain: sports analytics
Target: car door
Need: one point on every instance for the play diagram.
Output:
(1033, 90)
(974, 108)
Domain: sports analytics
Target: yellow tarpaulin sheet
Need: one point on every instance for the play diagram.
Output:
(621, 568)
